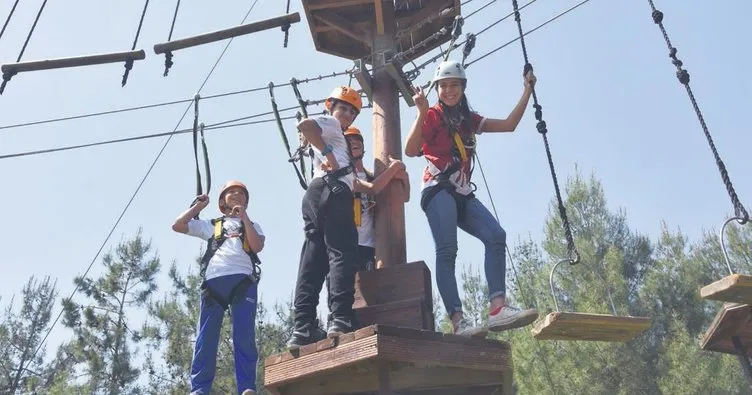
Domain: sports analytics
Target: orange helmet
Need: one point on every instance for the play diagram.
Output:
(353, 132)
(228, 185)
(345, 94)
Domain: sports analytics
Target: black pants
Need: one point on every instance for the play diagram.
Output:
(329, 249)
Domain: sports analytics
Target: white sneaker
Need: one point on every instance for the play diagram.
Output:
(465, 328)
(509, 317)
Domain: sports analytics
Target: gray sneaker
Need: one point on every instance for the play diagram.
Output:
(465, 328)
(510, 317)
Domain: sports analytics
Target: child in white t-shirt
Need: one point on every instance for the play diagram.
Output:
(230, 282)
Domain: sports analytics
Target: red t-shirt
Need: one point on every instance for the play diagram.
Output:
(438, 149)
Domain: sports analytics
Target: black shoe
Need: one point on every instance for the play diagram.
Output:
(307, 334)
(339, 326)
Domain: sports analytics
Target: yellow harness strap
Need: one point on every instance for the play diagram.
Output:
(356, 210)
(218, 228)
(460, 146)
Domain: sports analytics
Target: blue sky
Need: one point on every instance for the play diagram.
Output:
(609, 93)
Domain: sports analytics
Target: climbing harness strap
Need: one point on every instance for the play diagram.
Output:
(216, 241)
(683, 76)
(236, 294)
(198, 129)
(304, 149)
(275, 109)
(574, 256)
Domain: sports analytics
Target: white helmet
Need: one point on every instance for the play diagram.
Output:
(449, 69)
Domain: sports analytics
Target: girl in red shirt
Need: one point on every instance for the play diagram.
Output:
(445, 135)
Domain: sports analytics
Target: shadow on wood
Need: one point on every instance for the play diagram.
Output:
(380, 359)
(735, 288)
(589, 327)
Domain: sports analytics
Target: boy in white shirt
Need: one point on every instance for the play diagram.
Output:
(331, 239)
(230, 282)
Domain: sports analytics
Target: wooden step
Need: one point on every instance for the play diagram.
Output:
(589, 327)
(736, 288)
(411, 313)
(381, 359)
(393, 284)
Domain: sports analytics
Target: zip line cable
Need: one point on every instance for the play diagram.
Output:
(7, 20)
(138, 188)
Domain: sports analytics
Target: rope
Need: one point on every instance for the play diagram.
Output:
(514, 269)
(198, 129)
(129, 62)
(147, 106)
(286, 26)
(7, 20)
(8, 75)
(135, 193)
(301, 177)
(168, 55)
(683, 76)
(573, 255)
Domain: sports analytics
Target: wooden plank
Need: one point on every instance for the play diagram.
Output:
(732, 320)
(313, 364)
(322, 345)
(406, 333)
(329, 4)
(404, 378)
(393, 284)
(436, 353)
(77, 61)
(379, 17)
(589, 327)
(226, 33)
(412, 313)
(736, 288)
(345, 27)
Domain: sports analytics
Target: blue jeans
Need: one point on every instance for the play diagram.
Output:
(204, 362)
(441, 212)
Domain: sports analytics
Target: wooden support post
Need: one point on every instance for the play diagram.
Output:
(86, 60)
(226, 33)
(387, 141)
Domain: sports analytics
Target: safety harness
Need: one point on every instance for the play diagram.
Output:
(460, 155)
(213, 244)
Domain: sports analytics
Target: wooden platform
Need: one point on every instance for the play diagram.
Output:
(736, 288)
(589, 327)
(733, 320)
(347, 28)
(380, 359)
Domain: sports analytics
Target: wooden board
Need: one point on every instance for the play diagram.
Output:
(732, 320)
(393, 284)
(412, 361)
(589, 327)
(736, 288)
(410, 313)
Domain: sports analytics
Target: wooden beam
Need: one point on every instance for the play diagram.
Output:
(328, 4)
(77, 61)
(379, 17)
(345, 27)
(733, 320)
(226, 33)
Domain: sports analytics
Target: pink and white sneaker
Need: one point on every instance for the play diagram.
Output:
(508, 317)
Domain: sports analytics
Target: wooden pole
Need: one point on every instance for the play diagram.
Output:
(87, 60)
(226, 33)
(387, 141)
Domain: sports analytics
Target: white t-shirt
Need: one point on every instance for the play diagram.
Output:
(331, 133)
(230, 258)
(366, 229)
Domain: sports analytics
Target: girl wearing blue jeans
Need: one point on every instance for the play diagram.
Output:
(445, 135)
